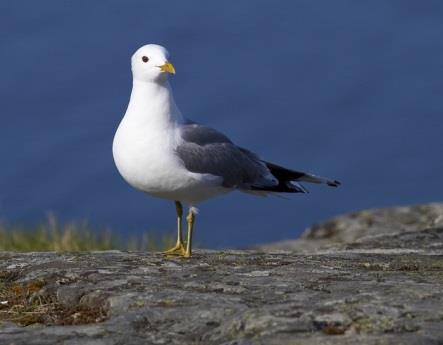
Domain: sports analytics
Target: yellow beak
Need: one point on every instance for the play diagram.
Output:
(167, 67)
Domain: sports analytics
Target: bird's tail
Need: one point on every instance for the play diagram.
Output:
(288, 177)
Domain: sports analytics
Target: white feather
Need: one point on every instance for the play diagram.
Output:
(144, 146)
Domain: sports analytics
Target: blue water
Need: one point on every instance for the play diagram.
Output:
(351, 90)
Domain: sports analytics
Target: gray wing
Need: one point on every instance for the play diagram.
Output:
(207, 151)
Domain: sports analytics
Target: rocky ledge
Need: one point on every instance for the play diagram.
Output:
(379, 287)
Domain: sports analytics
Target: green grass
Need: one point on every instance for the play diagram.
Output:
(53, 236)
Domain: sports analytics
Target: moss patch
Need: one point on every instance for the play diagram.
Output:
(30, 302)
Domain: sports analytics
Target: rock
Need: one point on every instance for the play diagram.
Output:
(356, 226)
(381, 289)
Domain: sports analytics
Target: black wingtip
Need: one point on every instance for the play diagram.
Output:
(334, 183)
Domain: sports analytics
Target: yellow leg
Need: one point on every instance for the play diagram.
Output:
(191, 219)
(179, 248)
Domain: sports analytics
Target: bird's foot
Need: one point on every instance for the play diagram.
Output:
(187, 254)
(178, 249)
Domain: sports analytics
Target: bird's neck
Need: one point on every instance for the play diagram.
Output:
(152, 104)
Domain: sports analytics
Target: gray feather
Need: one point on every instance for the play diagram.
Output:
(201, 135)
(207, 151)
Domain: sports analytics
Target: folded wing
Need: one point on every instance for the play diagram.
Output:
(206, 151)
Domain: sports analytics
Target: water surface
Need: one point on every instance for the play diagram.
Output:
(347, 89)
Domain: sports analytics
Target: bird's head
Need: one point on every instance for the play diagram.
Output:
(150, 63)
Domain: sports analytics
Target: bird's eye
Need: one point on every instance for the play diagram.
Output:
(145, 59)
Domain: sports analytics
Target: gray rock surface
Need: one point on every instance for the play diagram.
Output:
(381, 289)
(355, 227)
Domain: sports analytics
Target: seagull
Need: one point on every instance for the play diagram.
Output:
(163, 154)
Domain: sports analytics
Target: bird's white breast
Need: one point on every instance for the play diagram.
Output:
(146, 159)
(143, 157)
(144, 148)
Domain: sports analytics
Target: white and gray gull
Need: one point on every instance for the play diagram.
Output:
(161, 153)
